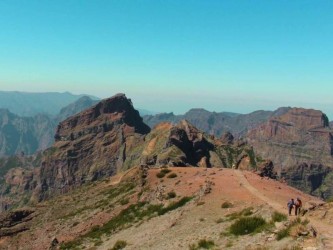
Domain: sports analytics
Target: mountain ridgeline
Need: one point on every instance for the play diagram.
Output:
(27, 135)
(218, 123)
(300, 143)
(109, 138)
(31, 104)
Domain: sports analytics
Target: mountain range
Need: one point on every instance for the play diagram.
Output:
(108, 173)
(217, 123)
(29, 104)
(111, 137)
(298, 142)
(27, 135)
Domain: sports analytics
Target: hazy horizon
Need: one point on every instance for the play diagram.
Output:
(149, 109)
(236, 56)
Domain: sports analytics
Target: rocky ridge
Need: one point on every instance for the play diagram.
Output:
(111, 137)
(300, 144)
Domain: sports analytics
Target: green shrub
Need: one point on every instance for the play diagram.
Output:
(172, 175)
(226, 204)
(206, 244)
(202, 244)
(283, 233)
(244, 212)
(171, 195)
(247, 225)
(278, 217)
(175, 205)
(124, 201)
(128, 216)
(160, 175)
(165, 171)
(120, 244)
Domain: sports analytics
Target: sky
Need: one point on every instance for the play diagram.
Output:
(171, 55)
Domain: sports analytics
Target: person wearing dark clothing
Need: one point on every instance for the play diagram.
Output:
(298, 206)
(290, 205)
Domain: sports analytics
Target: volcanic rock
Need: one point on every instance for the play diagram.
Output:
(266, 169)
(90, 145)
(15, 222)
(294, 141)
(183, 144)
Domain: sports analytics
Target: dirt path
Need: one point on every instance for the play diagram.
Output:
(119, 177)
(277, 206)
(325, 231)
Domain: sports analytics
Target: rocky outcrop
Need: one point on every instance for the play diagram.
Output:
(266, 169)
(12, 223)
(91, 145)
(183, 144)
(298, 138)
(301, 135)
(312, 178)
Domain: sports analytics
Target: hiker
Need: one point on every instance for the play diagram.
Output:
(298, 206)
(290, 205)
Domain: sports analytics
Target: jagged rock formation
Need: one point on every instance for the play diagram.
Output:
(266, 169)
(300, 144)
(31, 134)
(111, 137)
(182, 144)
(217, 123)
(12, 223)
(92, 144)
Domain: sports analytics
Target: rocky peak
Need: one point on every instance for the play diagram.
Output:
(91, 145)
(305, 118)
(300, 137)
(117, 109)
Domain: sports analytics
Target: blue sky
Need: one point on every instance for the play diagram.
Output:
(173, 55)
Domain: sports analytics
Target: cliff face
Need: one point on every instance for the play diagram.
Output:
(90, 145)
(299, 139)
(295, 137)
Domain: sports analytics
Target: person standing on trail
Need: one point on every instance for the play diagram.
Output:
(290, 205)
(298, 205)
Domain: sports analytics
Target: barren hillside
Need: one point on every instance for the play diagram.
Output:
(172, 208)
